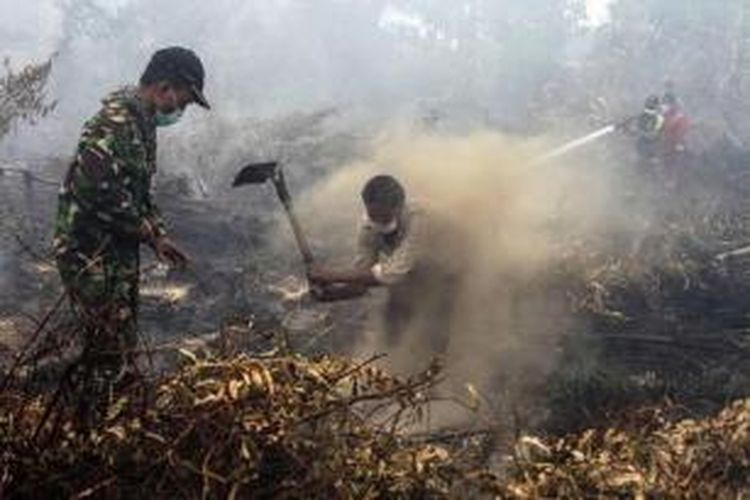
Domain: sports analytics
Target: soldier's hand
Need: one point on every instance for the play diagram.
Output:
(146, 231)
(167, 251)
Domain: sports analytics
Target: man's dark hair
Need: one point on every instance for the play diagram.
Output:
(383, 190)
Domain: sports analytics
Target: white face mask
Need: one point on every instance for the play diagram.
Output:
(387, 228)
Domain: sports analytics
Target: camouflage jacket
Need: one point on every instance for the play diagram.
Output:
(106, 195)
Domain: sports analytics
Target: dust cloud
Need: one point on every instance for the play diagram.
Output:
(506, 218)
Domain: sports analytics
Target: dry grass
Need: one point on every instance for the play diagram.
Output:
(280, 426)
(646, 457)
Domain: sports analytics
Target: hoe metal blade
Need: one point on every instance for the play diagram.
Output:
(256, 173)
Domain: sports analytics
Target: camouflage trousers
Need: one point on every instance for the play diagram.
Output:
(103, 292)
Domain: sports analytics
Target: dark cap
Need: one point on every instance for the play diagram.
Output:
(179, 65)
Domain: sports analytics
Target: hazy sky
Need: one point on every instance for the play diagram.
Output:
(34, 26)
(252, 59)
(28, 30)
(598, 10)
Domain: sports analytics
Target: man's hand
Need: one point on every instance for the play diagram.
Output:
(336, 292)
(166, 251)
(319, 275)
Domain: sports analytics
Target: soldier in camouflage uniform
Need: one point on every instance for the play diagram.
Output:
(106, 211)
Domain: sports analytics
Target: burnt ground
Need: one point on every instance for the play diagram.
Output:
(655, 317)
(234, 276)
